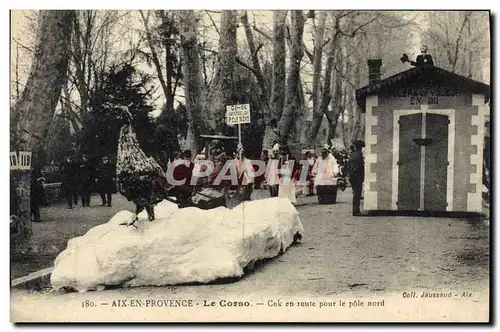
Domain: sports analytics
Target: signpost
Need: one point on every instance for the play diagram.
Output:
(20, 160)
(238, 114)
(20, 166)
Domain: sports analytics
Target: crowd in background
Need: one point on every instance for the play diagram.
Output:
(80, 178)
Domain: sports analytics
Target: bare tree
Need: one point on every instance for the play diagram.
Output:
(256, 68)
(90, 58)
(346, 54)
(220, 92)
(278, 77)
(446, 31)
(34, 111)
(154, 54)
(317, 65)
(458, 40)
(292, 102)
(192, 77)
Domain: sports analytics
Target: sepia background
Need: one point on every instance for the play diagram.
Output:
(149, 55)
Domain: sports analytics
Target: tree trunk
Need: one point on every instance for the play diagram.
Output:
(255, 60)
(347, 92)
(278, 78)
(222, 90)
(301, 125)
(316, 87)
(36, 107)
(154, 55)
(169, 64)
(292, 102)
(336, 102)
(470, 53)
(326, 95)
(358, 130)
(192, 78)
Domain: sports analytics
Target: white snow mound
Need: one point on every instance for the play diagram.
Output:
(180, 246)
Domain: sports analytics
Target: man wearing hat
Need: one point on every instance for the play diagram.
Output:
(356, 171)
(69, 181)
(85, 179)
(106, 180)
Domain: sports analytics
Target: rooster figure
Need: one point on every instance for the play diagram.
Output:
(141, 178)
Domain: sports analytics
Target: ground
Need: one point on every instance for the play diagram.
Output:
(60, 224)
(340, 255)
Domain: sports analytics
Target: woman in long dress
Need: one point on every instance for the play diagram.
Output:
(288, 181)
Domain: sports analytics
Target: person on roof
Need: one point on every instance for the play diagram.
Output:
(422, 59)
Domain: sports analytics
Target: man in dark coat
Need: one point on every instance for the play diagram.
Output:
(423, 59)
(85, 180)
(37, 195)
(69, 181)
(356, 171)
(105, 180)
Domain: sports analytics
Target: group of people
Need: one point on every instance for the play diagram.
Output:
(320, 168)
(324, 167)
(81, 178)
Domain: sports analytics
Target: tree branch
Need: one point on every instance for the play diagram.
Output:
(457, 43)
(238, 60)
(353, 33)
(243, 64)
(213, 23)
(261, 32)
(154, 55)
(23, 46)
(308, 53)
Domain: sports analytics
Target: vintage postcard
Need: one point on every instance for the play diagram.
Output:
(250, 166)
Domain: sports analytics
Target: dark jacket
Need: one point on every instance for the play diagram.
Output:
(356, 166)
(37, 193)
(423, 59)
(86, 174)
(69, 173)
(105, 177)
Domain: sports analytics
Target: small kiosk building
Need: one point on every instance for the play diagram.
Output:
(424, 140)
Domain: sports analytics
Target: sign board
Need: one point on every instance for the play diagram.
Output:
(20, 160)
(426, 94)
(238, 114)
(14, 162)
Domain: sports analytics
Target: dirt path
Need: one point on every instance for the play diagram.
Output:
(340, 255)
(60, 224)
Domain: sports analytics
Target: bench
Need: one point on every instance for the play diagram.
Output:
(52, 191)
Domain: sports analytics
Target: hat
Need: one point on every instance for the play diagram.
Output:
(359, 143)
(325, 147)
(276, 147)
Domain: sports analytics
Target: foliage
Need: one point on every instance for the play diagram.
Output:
(58, 139)
(246, 91)
(123, 86)
(458, 40)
